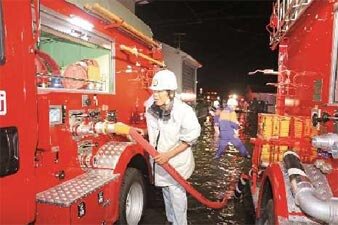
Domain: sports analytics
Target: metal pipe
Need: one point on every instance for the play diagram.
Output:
(325, 141)
(93, 128)
(323, 210)
(304, 193)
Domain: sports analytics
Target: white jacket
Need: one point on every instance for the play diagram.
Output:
(182, 126)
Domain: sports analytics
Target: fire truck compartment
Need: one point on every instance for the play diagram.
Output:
(83, 56)
(77, 201)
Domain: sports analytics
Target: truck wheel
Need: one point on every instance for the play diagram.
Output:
(132, 197)
(268, 214)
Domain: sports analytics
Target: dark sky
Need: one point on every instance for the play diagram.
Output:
(228, 38)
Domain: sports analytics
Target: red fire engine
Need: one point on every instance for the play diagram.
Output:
(294, 177)
(66, 74)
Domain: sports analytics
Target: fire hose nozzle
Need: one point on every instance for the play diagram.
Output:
(121, 128)
(101, 128)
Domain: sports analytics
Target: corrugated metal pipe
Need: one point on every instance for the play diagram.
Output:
(304, 193)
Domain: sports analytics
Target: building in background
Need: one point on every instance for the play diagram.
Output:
(182, 64)
(266, 101)
(185, 67)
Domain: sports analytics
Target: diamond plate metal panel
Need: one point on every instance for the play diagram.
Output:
(109, 154)
(72, 190)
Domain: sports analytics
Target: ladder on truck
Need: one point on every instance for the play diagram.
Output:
(285, 13)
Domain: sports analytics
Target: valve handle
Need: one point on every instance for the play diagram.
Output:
(325, 118)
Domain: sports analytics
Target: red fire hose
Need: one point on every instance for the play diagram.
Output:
(190, 189)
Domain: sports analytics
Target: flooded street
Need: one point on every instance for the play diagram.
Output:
(212, 178)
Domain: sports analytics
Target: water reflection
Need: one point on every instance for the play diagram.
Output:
(211, 177)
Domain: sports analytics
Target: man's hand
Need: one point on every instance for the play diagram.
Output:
(162, 158)
(141, 131)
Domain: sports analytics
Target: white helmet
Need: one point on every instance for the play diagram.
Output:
(232, 102)
(216, 104)
(164, 80)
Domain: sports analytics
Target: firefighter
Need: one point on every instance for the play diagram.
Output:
(229, 125)
(172, 128)
(215, 111)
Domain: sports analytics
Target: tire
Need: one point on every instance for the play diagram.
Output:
(132, 197)
(268, 214)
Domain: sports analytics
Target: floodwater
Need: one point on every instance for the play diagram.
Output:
(212, 178)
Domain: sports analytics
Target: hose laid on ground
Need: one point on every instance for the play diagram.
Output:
(190, 189)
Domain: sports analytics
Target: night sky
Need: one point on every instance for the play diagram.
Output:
(228, 38)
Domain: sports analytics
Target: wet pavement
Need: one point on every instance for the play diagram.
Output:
(212, 178)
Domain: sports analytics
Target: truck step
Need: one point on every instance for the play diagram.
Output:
(67, 193)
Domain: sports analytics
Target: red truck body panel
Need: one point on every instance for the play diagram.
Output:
(49, 154)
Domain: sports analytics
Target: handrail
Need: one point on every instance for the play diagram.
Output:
(284, 16)
(135, 52)
(111, 17)
(36, 34)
